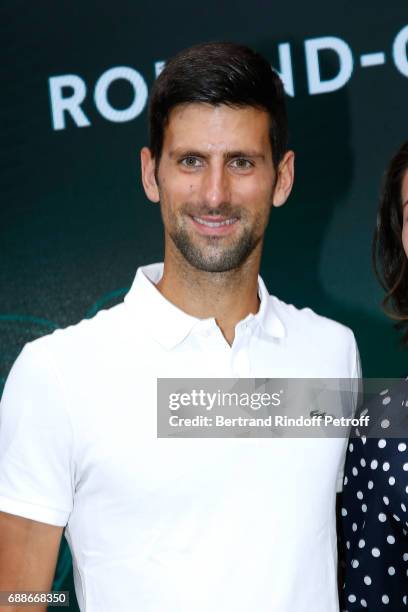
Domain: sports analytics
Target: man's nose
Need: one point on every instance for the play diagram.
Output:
(215, 186)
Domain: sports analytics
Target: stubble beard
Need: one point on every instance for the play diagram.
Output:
(214, 257)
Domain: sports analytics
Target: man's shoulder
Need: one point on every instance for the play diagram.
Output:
(324, 348)
(306, 322)
(90, 334)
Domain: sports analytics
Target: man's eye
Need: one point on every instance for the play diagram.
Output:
(242, 164)
(190, 162)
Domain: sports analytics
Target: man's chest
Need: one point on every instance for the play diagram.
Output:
(173, 494)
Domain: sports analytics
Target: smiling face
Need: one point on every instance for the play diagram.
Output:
(216, 183)
(404, 200)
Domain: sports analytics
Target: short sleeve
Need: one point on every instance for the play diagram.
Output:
(340, 474)
(36, 441)
(356, 396)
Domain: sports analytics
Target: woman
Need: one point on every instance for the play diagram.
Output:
(375, 494)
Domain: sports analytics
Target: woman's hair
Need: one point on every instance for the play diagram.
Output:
(389, 258)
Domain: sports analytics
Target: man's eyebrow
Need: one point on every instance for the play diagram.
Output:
(249, 153)
(228, 155)
(186, 153)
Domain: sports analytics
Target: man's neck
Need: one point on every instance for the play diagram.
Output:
(227, 296)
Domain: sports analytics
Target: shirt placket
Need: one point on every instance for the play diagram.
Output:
(240, 362)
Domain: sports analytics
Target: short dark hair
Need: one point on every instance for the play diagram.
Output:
(219, 73)
(389, 258)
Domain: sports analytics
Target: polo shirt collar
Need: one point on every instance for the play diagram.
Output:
(169, 325)
(266, 315)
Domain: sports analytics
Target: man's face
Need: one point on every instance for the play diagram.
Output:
(215, 183)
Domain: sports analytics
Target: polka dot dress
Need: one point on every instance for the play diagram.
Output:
(374, 514)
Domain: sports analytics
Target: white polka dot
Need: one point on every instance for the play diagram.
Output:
(367, 580)
(361, 543)
(406, 489)
(405, 556)
(351, 447)
(364, 507)
(370, 484)
(343, 512)
(386, 500)
(348, 545)
(374, 464)
(381, 517)
(354, 471)
(385, 423)
(382, 443)
(364, 439)
(397, 518)
(352, 598)
(354, 526)
(402, 447)
(405, 467)
(386, 400)
(385, 391)
(375, 552)
(354, 563)
(386, 466)
(403, 507)
(391, 480)
(391, 570)
(360, 495)
(390, 539)
(363, 603)
(345, 480)
(385, 599)
(362, 462)
(404, 599)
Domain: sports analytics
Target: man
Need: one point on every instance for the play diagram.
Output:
(177, 525)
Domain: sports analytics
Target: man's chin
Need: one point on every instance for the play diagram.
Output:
(222, 262)
(216, 254)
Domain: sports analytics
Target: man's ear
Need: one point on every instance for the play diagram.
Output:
(284, 179)
(148, 175)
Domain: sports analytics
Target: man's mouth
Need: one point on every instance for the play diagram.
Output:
(214, 222)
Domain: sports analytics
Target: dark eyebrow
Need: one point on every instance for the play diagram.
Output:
(186, 153)
(229, 155)
(235, 154)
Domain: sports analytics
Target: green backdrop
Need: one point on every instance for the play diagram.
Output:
(75, 224)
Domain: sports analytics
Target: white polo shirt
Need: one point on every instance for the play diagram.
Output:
(175, 525)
